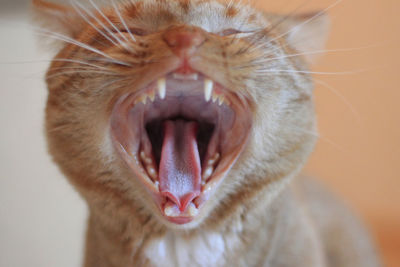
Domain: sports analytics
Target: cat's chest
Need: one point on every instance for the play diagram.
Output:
(174, 250)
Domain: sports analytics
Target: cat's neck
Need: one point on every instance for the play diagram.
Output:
(122, 240)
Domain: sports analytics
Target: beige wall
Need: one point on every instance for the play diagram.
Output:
(358, 154)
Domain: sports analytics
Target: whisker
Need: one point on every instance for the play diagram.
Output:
(341, 97)
(314, 53)
(298, 25)
(122, 20)
(320, 137)
(312, 72)
(69, 40)
(81, 72)
(79, 8)
(308, 20)
(111, 24)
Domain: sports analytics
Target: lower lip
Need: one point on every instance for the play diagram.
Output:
(180, 220)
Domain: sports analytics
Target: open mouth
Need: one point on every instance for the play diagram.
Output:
(180, 135)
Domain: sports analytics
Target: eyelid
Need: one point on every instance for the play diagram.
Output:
(237, 33)
(135, 31)
(228, 32)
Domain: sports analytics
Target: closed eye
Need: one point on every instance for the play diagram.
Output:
(135, 31)
(228, 32)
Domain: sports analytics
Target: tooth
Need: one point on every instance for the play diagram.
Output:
(145, 158)
(208, 89)
(144, 99)
(152, 172)
(221, 100)
(214, 97)
(207, 173)
(152, 95)
(192, 210)
(171, 210)
(214, 159)
(161, 85)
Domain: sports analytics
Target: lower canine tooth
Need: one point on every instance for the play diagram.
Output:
(161, 87)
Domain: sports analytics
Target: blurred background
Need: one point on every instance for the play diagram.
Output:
(42, 219)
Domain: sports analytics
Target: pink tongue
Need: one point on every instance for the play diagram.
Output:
(180, 167)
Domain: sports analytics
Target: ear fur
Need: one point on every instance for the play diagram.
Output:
(57, 18)
(305, 32)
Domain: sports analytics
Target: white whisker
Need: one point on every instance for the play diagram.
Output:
(111, 24)
(319, 136)
(304, 22)
(79, 72)
(122, 20)
(341, 97)
(79, 8)
(69, 40)
(313, 53)
(311, 72)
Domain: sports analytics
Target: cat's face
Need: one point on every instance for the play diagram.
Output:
(179, 109)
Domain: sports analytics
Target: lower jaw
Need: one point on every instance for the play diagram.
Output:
(180, 220)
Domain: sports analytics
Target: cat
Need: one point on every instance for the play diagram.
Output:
(183, 123)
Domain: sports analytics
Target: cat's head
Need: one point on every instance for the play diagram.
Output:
(180, 110)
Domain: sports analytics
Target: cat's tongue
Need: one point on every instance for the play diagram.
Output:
(180, 168)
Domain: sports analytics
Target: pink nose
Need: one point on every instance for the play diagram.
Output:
(184, 40)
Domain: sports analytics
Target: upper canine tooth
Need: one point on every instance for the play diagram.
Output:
(208, 89)
(161, 87)
(214, 97)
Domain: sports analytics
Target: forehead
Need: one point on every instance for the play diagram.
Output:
(210, 15)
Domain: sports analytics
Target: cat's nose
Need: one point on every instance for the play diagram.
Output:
(184, 40)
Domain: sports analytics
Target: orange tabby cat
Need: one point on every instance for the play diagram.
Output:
(182, 124)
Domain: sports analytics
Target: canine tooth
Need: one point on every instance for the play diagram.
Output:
(207, 173)
(152, 172)
(208, 89)
(192, 210)
(161, 87)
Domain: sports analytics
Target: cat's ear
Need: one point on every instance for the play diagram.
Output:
(307, 33)
(57, 18)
